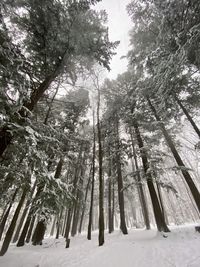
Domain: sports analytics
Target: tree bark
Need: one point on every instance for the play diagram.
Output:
(5, 136)
(16, 236)
(71, 208)
(30, 229)
(5, 217)
(11, 228)
(190, 119)
(194, 191)
(159, 218)
(120, 181)
(110, 215)
(92, 183)
(101, 182)
(85, 200)
(141, 191)
(39, 232)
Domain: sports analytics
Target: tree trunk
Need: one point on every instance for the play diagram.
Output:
(53, 226)
(195, 127)
(85, 200)
(30, 230)
(11, 228)
(71, 208)
(5, 217)
(19, 227)
(39, 232)
(101, 182)
(113, 203)
(120, 182)
(5, 136)
(59, 223)
(141, 191)
(92, 188)
(23, 234)
(194, 191)
(110, 215)
(160, 221)
(161, 202)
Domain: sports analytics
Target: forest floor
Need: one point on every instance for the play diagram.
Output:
(140, 248)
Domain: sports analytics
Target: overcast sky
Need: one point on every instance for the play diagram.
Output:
(119, 25)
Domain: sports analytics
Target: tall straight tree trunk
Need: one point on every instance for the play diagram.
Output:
(85, 200)
(190, 119)
(113, 203)
(120, 181)
(19, 227)
(161, 202)
(74, 190)
(159, 218)
(101, 181)
(11, 228)
(92, 182)
(68, 226)
(59, 223)
(194, 191)
(64, 223)
(30, 229)
(53, 226)
(110, 216)
(24, 232)
(75, 215)
(6, 214)
(144, 206)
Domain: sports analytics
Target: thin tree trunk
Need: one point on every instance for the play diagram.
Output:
(101, 182)
(194, 191)
(160, 221)
(30, 229)
(53, 227)
(85, 200)
(113, 203)
(92, 188)
(120, 182)
(11, 228)
(5, 217)
(24, 232)
(70, 210)
(59, 223)
(16, 236)
(190, 119)
(110, 217)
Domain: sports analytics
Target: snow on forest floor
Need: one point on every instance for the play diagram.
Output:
(140, 248)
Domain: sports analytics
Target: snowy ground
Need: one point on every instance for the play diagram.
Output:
(140, 248)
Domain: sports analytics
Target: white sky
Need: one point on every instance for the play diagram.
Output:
(119, 24)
